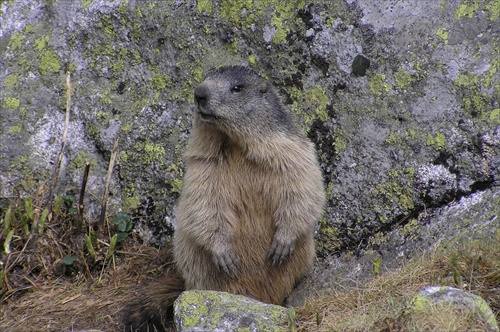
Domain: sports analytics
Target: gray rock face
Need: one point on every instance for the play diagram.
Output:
(401, 98)
(219, 311)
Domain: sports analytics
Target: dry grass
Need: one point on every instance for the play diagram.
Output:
(380, 304)
(38, 292)
(76, 302)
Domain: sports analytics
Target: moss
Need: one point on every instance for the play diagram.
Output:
(402, 78)
(493, 117)
(131, 203)
(126, 128)
(11, 81)
(281, 31)
(16, 41)
(83, 159)
(466, 9)
(86, 3)
(11, 103)
(103, 117)
(438, 141)
(493, 7)
(205, 6)
(41, 43)
(411, 230)
(328, 241)
(233, 11)
(176, 186)
(198, 74)
(49, 63)
(317, 96)
(107, 24)
(232, 48)
(160, 81)
(15, 129)
(151, 152)
(377, 85)
(397, 190)
(443, 34)
(252, 60)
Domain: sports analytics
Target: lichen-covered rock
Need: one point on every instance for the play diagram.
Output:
(219, 311)
(434, 295)
(401, 98)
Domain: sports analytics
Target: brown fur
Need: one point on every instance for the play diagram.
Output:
(252, 192)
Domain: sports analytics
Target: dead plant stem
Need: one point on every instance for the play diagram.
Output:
(108, 180)
(57, 165)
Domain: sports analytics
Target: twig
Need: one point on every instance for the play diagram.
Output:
(55, 173)
(108, 180)
(82, 195)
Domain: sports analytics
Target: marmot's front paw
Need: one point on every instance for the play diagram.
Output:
(227, 261)
(281, 251)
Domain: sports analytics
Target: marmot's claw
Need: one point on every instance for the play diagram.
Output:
(228, 263)
(280, 252)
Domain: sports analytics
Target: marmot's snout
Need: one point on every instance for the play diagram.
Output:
(202, 94)
(201, 97)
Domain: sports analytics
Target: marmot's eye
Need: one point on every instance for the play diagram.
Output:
(237, 88)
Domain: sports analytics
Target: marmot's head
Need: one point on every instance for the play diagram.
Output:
(236, 100)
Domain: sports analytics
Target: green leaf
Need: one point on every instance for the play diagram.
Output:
(58, 205)
(7, 219)
(72, 210)
(121, 236)
(43, 220)
(68, 260)
(122, 221)
(90, 247)
(112, 246)
(377, 262)
(68, 198)
(28, 207)
(6, 243)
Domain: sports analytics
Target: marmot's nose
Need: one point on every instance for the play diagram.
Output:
(202, 94)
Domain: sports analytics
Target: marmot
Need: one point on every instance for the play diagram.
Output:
(251, 195)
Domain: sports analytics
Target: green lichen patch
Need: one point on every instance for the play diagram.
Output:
(16, 129)
(437, 141)
(402, 78)
(311, 104)
(151, 152)
(466, 9)
(378, 86)
(493, 7)
(160, 81)
(317, 96)
(397, 190)
(204, 6)
(49, 63)
(493, 117)
(83, 159)
(11, 81)
(443, 34)
(11, 103)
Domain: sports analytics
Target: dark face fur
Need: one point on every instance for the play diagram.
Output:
(235, 97)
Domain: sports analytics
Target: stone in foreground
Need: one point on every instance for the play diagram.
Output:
(219, 311)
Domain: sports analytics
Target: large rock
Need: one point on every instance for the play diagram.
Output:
(401, 98)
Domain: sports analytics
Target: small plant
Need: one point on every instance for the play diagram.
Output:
(123, 223)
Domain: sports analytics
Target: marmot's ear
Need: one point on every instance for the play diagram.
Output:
(264, 87)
